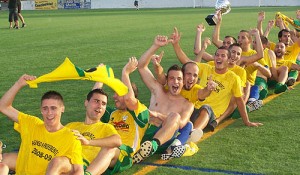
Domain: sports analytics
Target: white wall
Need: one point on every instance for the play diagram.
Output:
(96, 4)
(28, 5)
(188, 3)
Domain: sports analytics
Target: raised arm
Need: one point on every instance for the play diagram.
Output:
(182, 57)
(143, 63)
(7, 99)
(158, 69)
(269, 27)
(130, 100)
(260, 18)
(216, 32)
(259, 49)
(203, 54)
(198, 40)
(98, 85)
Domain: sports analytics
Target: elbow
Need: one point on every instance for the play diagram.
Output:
(196, 51)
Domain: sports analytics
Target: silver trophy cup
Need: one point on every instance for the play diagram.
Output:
(223, 6)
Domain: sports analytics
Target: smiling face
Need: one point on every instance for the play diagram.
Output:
(235, 55)
(244, 40)
(221, 60)
(279, 50)
(190, 75)
(175, 81)
(228, 41)
(95, 106)
(285, 38)
(119, 102)
(52, 110)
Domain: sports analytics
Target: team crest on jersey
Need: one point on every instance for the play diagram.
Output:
(125, 118)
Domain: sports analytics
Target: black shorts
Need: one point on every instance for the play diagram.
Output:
(136, 3)
(19, 7)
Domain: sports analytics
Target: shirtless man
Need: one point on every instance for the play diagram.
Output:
(169, 111)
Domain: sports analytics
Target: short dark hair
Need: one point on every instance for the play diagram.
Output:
(281, 31)
(235, 41)
(264, 40)
(95, 91)
(224, 48)
(174, 67)
(52, 95)
(234, 44)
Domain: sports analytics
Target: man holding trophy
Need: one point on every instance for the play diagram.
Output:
(221, 5)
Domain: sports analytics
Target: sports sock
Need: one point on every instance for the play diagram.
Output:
(184, 133)
(279, 88)
(263, 94)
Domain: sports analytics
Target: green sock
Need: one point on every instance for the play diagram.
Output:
(263, 94)
(154, 146)
(279, 88)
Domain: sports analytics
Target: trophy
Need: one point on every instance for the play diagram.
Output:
(221, 5)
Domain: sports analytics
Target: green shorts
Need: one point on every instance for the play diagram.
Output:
(294, 73)
(124, 161)
(149, 134)
(261, 83)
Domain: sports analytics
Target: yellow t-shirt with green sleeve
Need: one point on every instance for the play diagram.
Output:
(229, 84)
(39, 146)
(130, 125)
(250, 69)
(91, 132)
(238, 70)
(291, 52)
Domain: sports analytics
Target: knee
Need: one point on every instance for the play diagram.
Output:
(283, 69)
(173, 119)
(4, 168)
(59, 164)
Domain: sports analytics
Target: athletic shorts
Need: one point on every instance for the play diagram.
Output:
(149, 134)
(260, 82)
(124, 161)
(196, 113)
(19, 7)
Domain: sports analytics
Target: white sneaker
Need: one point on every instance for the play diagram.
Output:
(195, 135)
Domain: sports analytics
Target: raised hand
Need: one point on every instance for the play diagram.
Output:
(206, 42)
(200, 28)
(271, 23)
(175, 37)
(211, 85)
(254, 32)
(156, 59)
(161, 40)
(131, 65)
(261, 16)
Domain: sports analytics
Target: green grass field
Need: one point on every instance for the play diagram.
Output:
(90, 37)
